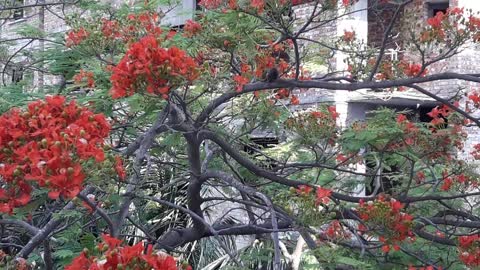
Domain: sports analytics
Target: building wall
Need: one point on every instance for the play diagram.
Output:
(369, 27)
(51, 21)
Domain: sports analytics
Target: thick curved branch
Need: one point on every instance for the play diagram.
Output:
(328, 85)
(30, 229)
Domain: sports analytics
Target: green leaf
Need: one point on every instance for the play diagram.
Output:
(88, 241)
(63, 254)
(27, 30)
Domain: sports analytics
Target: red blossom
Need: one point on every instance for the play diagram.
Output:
(386, 216)
(75, 37)
(192, 28)
(401, 118)
(259, 5)
(294, 100)
(85, 77)
(447, 184)
(241, 81)
(122, 174)
(335, 230)
(323, 195)
(333, 112)
(46, 144)
(469, 250)
(111, 29)
(210, 4)
(159, 68)
(304, 190)
(412, 69)
(348, 36)
(341, 158)
(117, 256)
(436, 21)
(420, 176)
(475, 98)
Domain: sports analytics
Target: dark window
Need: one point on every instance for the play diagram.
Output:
(434, 8)
(18, 12)
(17, 74)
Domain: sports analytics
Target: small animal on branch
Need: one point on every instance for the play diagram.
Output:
(272, 75)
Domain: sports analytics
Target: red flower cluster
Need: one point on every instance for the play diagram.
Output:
(436, 21)
(119, 168)
(444, 25)
(386, 218)
(240, 81)
(136, 25)
(385, 70)
(75, 37)
(85, 76)
(211, 4)
(459, 179)
(388, 70)
(259, 5)
(46, 144)
(111, 29)
(409, 128)
(437, 29)
(447, 181)
(148, 65)
(474, 26)
(469, 249)
(438, 114)
(335, 230)
(476, 151)
(116, 256)
(348, 36)
(316, 125)
(274, 56)
(429, 267)
(322, 195)
(412, 69)
(284, 93)
(191, 28)
(475, 98)
(304, 190)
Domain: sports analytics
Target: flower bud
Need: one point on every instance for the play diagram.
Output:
(17, 172)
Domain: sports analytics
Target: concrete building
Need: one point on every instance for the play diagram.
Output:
(41, 23)
(369, 26)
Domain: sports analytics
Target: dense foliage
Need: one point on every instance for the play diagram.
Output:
(144, 155)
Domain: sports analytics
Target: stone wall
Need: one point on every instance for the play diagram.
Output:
(49, 20)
